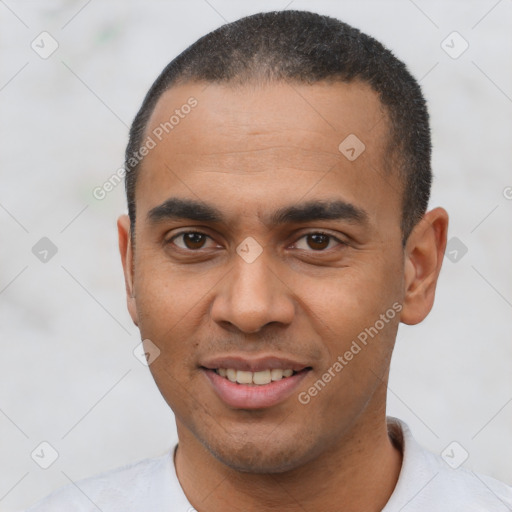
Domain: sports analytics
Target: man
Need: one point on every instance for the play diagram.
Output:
(278, 177)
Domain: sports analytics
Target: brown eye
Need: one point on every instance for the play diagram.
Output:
(318, 241)
(190, 240)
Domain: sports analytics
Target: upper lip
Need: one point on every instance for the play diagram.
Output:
(255, 364)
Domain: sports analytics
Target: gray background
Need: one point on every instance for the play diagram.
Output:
(69, 376)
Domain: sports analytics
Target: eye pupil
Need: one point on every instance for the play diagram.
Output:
(193, 240)
(319, 241)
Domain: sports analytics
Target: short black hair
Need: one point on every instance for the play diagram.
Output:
(305, 47)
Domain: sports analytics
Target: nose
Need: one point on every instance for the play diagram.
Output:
(252, 295)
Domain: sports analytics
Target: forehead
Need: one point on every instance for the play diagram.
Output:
(264, 142)
(325, 109)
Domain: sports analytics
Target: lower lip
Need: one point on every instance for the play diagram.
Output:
(242, 396)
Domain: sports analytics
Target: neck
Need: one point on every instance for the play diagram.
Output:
(359, 473)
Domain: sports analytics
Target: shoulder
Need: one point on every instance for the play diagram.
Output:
(131, 487)
(461, 489)
(428, 482)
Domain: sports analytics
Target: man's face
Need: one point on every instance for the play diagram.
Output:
(255, 290)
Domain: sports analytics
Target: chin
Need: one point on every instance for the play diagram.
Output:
(267, 456)
(255, 459)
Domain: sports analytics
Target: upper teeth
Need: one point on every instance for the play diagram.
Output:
(263, 377)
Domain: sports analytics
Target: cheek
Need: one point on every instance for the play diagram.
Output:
(355, 315)
(165, 311)
(170, 314)
(349, 300)
(168, 298)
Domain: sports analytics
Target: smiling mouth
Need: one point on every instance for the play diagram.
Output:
(260, 378)
(245, 389)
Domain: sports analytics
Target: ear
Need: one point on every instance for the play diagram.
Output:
(424, 252)
(126, 250)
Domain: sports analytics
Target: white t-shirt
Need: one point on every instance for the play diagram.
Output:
(426, 483)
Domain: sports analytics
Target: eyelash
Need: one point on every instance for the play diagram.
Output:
(330, 237)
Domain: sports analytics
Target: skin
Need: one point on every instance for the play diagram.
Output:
(250, 150)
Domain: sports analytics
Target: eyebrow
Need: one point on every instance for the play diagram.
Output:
(188, 209)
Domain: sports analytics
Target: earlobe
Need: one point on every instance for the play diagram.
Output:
(126, 251)
(424, 253)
